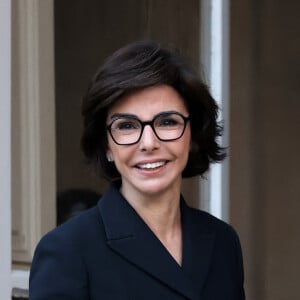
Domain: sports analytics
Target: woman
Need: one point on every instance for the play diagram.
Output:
(148, 122)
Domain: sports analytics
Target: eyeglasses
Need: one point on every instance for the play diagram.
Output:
(127, 129)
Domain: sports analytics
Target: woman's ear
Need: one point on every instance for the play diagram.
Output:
(109, 156)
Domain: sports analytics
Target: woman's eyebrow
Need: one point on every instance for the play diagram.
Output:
(132, 116)
(120, 115)
(166, 112)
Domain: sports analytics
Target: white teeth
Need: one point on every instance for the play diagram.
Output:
(151, 165)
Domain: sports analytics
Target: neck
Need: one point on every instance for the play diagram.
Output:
(160, 211)
(163, 217)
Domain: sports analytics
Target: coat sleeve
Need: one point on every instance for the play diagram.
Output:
(239, 265)
(57, 270)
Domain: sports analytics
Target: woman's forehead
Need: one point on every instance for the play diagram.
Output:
(147, 102)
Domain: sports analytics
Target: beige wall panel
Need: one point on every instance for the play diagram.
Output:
(265, 114)
(33, 133)
(280, 116)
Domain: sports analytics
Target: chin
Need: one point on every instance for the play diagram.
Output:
(157, 187)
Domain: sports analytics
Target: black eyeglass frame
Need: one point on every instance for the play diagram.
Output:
(151, 124)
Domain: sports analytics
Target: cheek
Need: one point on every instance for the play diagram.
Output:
(121, 155)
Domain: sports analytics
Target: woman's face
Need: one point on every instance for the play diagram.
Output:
(150, 166)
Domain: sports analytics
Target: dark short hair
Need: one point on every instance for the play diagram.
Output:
(137, 66)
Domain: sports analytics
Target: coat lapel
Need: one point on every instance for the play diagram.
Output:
(198, 242)
(131, 238)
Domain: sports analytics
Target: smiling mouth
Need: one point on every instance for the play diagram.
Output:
(151, 166)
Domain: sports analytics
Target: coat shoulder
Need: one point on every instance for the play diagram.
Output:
(77, 231)
(59, 264)
(208, 223)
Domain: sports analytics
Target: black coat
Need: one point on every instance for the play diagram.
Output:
(109, 253)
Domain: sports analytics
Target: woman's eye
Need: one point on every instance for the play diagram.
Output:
(168, 122)
(127, 125)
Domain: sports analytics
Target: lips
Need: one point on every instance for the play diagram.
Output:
(151, 166)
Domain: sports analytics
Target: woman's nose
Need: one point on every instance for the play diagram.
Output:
(149, 140)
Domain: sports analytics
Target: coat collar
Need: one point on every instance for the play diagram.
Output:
(130, 237)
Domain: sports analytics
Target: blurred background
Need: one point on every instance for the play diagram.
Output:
(58, 45)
